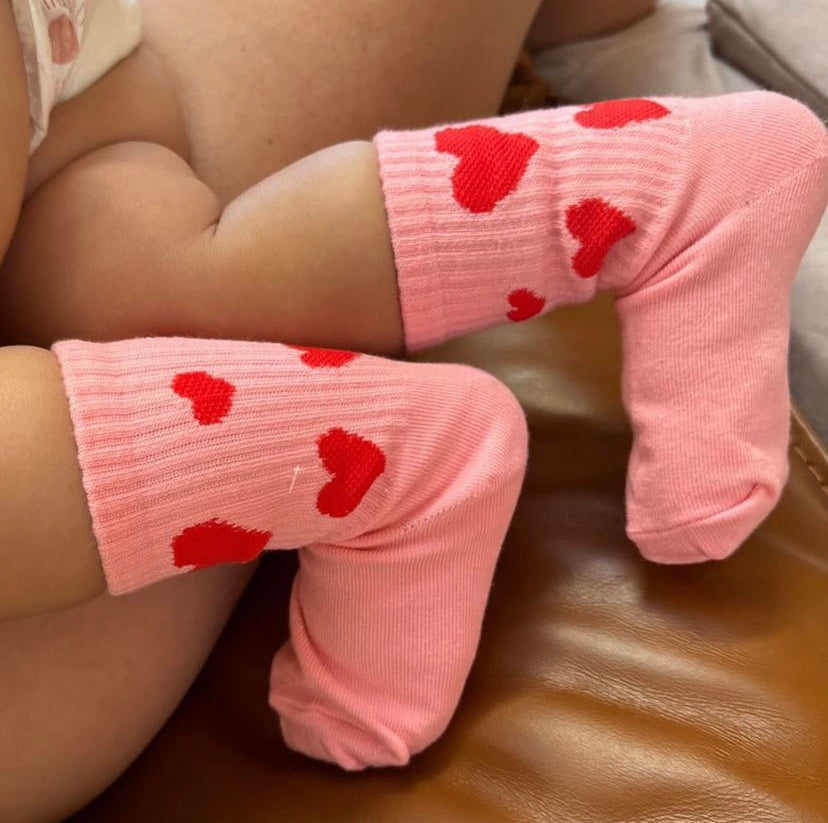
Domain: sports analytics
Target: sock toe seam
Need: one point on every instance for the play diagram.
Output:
(700, 520)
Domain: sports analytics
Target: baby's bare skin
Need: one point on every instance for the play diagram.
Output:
(293, 259)
(235, 115)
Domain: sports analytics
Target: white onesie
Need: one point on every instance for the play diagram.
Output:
(67, 46)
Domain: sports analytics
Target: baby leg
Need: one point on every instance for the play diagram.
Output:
(83, 690)
(202, 42)
(46, 541)
(696, 213)
(139, 246)
(496, 222)
(500, 220)
(399, 480)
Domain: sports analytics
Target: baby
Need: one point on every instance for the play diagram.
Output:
(397, 480)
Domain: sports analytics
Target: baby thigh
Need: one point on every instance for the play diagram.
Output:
(83, 691)
(139, 246)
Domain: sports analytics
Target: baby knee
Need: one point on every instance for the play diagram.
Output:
(113, 207)
(118, 219)
(138, 192)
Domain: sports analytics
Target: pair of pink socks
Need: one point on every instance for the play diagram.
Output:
(397, 481)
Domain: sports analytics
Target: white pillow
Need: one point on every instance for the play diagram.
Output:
(782, 45)
(667, 53)
(809, 334)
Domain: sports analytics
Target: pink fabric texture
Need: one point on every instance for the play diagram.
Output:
(397, 480)
(696, 212)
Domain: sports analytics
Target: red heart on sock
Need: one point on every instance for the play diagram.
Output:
(526, 305)
(492, 164)
(355, 464)
(598, 226)
(215, 541)
(615, 114)
(325, 358)
(211, 397)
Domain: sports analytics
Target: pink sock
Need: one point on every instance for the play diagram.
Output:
(696, 212)
(398, 479)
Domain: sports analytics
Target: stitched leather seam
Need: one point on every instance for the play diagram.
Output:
(812, 467)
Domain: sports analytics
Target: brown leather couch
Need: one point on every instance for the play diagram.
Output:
(606, 688)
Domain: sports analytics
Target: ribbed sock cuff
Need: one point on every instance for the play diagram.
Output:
(481, 215)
